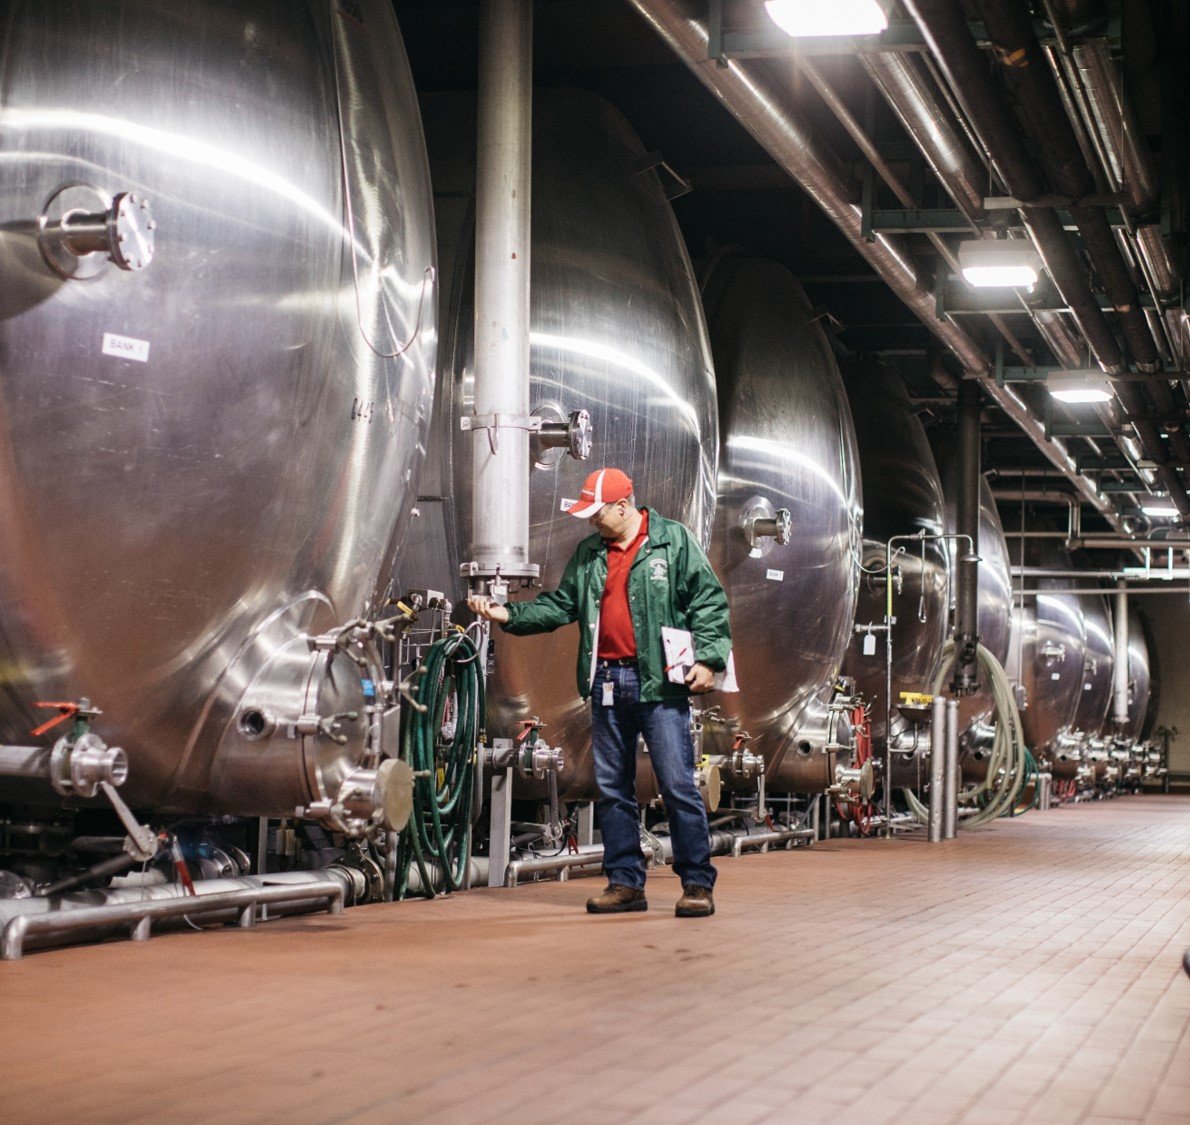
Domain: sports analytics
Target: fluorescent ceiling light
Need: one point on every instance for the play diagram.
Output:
(1079, 386)
(805, 18)
(999, 263)
(1159, 508)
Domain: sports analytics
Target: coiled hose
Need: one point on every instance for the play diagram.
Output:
(439, 743)
(1009, 762)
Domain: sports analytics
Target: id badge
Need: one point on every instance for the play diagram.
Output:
(609, 689)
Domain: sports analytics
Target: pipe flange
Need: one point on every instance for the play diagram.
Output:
(82, 231)
(78, 766)
(764, 526)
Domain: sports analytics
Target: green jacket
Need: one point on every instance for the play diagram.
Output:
(670, 583)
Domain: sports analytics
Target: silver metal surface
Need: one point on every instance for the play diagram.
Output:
(1140, 682)
(1094, 700)
(48, 921)
(206, 458)
(787, 444)
(616, 329)
(902, 496)
(995, 585)
(1047, 650)
(1123, 671)
(950, 772)
(937, 769)
(904, 84)
(500, 455)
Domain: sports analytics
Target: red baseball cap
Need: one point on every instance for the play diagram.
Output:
(603, 486)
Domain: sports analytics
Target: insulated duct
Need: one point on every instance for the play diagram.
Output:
(761, 107)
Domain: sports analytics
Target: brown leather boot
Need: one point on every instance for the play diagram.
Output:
(617, 899)
(696, 902)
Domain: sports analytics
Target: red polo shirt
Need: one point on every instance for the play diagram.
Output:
(617, 641)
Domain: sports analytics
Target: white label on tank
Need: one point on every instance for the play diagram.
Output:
(125, 347)
(566, 505)
(1087, 687)
(869, 644)
(775, 575)
(1055, 675)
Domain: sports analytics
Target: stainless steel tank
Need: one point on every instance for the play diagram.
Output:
(208, 454)
(616, 329)
(995, 606)
(1140, 680)
(902, 495)
(1046, 658)
(1094, 699)
(788, 446)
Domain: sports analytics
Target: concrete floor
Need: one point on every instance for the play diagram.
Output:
(1029, 972)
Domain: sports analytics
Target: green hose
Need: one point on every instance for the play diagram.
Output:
(440, 744)
(1009, 765)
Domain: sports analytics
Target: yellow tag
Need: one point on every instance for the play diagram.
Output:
(916, 699)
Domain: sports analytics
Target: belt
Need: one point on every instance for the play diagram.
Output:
(622, 662)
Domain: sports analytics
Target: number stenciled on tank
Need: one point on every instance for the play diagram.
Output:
(363, 410)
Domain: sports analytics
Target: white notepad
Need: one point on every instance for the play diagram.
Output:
(678, 646)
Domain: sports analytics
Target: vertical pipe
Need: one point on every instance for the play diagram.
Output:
(966, 624)
(950, 807)
(500, 496)
(937, 767)
(1120, 687)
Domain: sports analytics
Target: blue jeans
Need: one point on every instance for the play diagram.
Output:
(666, 729)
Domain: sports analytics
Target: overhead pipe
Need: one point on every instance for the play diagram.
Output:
(911, 96)
(948, 35)
(1016, 46)
(760, 105)
(868, 147)
(906, 88)
(501, 461)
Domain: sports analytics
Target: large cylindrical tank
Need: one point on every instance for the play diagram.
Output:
(203, 459)
(902, 497)
(1139, 677)
(994, 606)
(616, 329)
(787, 445)
(1046, 657)
(1094, 699)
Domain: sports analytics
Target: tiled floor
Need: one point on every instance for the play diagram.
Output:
(1030, 972)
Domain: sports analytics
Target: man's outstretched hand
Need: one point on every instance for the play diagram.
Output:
(489, 610)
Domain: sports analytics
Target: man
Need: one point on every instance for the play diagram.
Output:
(639, 572)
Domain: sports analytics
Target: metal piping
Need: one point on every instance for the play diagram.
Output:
(759, 106)
(90, 912)
(1018, 49)
(905, 87)
(1129, 163)
(500, 504)
(966, 626)
(1120, 668)
(948, 35)
(866, 145)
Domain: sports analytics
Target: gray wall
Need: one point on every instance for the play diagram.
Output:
(1168, 617)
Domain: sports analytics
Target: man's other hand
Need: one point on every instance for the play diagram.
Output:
(700, 679)
(489, 610)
